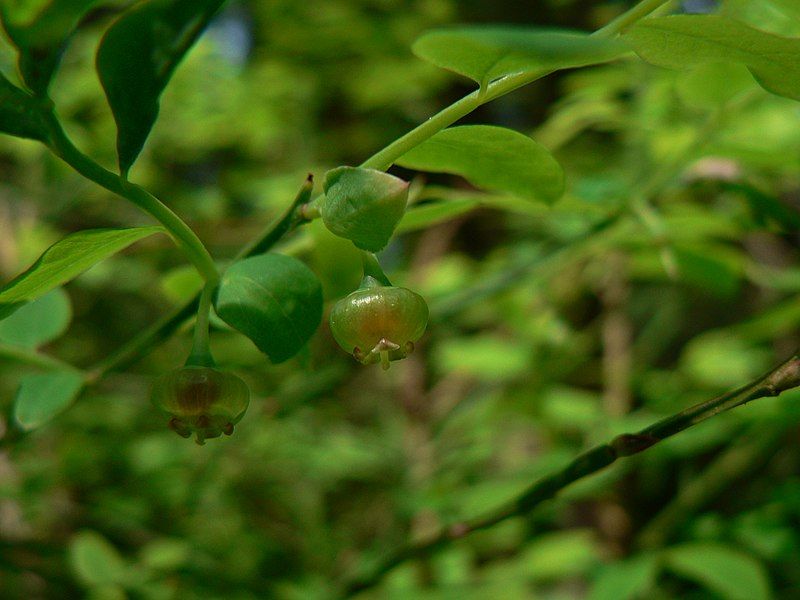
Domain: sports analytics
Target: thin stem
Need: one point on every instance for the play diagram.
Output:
(200, 354)
(167, 325)
(628, 18)
(183, 235)
(32, 357)
(784, 377)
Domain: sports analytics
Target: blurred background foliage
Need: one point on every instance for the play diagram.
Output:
(552, 328)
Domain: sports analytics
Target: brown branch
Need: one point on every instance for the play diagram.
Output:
(783, 377)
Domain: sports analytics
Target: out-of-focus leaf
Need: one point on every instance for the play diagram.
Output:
(68, 258)
(363, 205)
(41, 39)
(136, 59)
(274, 300)
(720, 569)
(432, 213)
(20, 113)
(722, 359)
(561, 554)
(625, 579)
(682, 41)
(495, 158)
(38, 322)
(95, 561)
(711, 85)
(487, 53)
(42, 396)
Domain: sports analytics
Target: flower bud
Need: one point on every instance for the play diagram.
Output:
(201, 401)
(379, 323)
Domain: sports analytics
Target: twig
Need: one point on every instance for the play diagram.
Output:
(784, 377)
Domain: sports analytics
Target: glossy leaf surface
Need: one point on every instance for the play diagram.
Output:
(274, 300)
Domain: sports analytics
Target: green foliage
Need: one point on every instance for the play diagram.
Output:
(494, 158)
(42, 396)
(67, 259)
(136, 59)
(659, 273)
(686, 40)
(363, 205)
(274, 300)
(38, 322)
(42, 38)
(487, 53)
(20, 113)
(723, 570)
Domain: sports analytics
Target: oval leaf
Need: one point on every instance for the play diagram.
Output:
(682, 41)
(274, 300)
(486, 53)
(20, 114)
(42, 396)
(94, 560)
(363, 205)
(136, 59)
(38, 322)
(494, 158)
(726, 571)
(65, 260)
(42, 38)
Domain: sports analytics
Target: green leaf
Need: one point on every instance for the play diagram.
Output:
(431, 213)
(626, 579)
(273, 299)
(38, 322)
(42, 37)
(94, 560)
(42, 396)
(363, 205)
(494, 158)
(66, 259)
(682, 41)
(20, 113)
(721, 569)
(487, 53)
(136, 59)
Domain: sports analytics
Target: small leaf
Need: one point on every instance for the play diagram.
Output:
(494, 158)
(721, 569)
(94, 560)
(363, 205)
(42, 396)
(626, 579)
(42, 38)
(273, 299)
(136, 59)
(682, 41)
(487, 53)
(38, 322)
(20, 113)
(66, 259)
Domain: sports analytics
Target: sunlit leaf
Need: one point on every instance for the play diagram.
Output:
(273, 299)
(495, 158)
(136, 59)
(68, 258)
(487, 53)
(683, 41)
